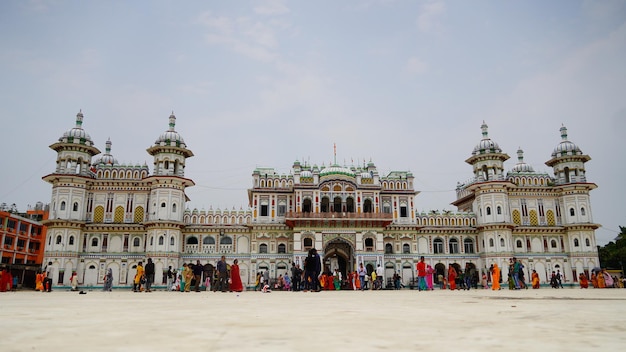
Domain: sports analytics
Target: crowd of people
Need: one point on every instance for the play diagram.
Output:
(311, 278)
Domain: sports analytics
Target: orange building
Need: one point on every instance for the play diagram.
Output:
(22, 236)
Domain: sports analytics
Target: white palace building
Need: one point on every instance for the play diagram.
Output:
(109, 215)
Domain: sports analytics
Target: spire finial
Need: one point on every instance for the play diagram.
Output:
(172, 121)
(108, 146)
(484, 128)
(520, 155)
(563, 132)
(79, 118)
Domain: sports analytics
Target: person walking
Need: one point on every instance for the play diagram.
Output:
(188, 276)
(139, 275)
(197, 274)
(380, 277)
(222, 272)
(108, 281)
(170, 278)
(421, 275)
(362, 273)
(149, 275)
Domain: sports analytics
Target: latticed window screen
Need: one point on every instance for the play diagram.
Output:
(517, 219)
(119, 215)
(138, 214)
(98, 214)
(534, 220)
(550, 217)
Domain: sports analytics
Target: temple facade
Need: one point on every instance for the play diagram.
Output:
(104, 214)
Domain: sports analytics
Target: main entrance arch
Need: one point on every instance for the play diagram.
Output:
(339, 254)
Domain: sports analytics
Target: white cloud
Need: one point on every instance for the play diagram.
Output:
(416, 66)
(271, 7)
(429, 14)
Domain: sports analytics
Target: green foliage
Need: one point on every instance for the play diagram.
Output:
(613, 255)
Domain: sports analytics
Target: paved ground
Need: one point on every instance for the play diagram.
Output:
(477, 320)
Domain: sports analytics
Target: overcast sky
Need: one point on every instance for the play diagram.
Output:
(405, 84)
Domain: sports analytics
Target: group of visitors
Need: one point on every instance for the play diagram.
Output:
(601, 278)
(221, 279)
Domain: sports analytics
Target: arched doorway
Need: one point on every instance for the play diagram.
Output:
(440, 269)
(338, 254)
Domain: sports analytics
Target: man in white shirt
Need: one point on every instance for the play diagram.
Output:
(380, 273)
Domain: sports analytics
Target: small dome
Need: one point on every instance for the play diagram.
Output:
(336, 170)
(366, 175)
(521, 166)
(106, 158)
(171, 136)
(306, 173)
(486, 145)
(565, 147)
(77, 134)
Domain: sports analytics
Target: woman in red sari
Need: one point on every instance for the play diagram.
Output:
(582, 280)
(535, 279)
(594, 280)
(235, 278)
(452, 277)
(39, 281)
(495, 277)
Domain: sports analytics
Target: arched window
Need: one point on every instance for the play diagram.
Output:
(226, 240)
(172, 241)
(488, 210)
(163, 205)
(63, 205)
(453, 246)
(388, 248)
(575, 242)
(174, 208)
(502, 242)
(308, 243)
(208, 240)
(369, 245)
(468, 245)
(263, 248)
(337, 205)
(325, 205)
(438, 246)
(152, 240)
(499, 210)
(306, 206)
(491, 242)
(518, 243)
(75, 207)
(161, 240)
(94, 242)
(71, 241)
(367, 206)
(406, 248)
(136, 242)
(582, 211)
(553, 243)
(587, 242)
(350, 205)
(572, 212)
(58, 240)
(282, 248)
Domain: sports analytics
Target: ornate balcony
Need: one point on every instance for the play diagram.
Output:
(336, 219)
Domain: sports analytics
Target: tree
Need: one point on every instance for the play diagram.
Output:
(613, 254)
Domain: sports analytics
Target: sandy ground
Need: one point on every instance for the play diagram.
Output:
(407, 320)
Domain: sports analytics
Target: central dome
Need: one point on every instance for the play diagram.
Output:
(486, 145)
(336, 170)
(565, 147)
(171, 136)
(77, 134)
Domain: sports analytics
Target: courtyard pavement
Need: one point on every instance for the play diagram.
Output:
(407, 320)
